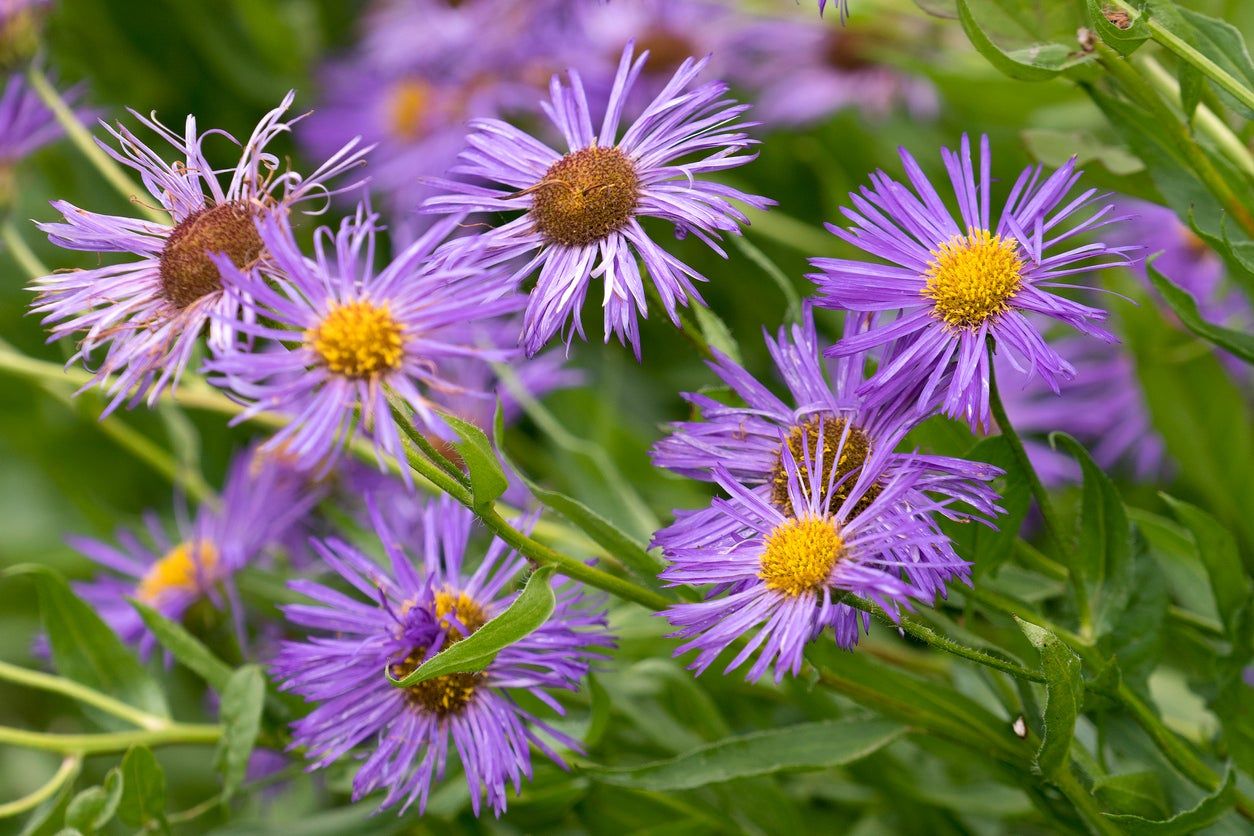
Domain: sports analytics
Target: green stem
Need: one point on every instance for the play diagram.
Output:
(22, 254)
(773, 272)
(1084, 803)
(81, 693)
(1020, 454)
(1172, 122)
(1205, 118)
(66, 772)
(424, 445)
(93, 744)
(1190, 55)
(932, 638)
(1034, 558)
(82, 139)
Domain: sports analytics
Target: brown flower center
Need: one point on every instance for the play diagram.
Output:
(853, 454)
(585, 196)
(667, 50)
(187, 273)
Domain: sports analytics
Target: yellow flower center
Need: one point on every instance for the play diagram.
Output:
(853, 455)
(971, 278)
(447, 694)
(408, 108)
(187, 567)
(799, 555)
(585, 196)
(358, 339)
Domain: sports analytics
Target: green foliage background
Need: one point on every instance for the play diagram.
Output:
(229, 61)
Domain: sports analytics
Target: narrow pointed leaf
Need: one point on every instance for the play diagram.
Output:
(487, 478)
(1183, 304)
(1064, 695)
(240, 715)
(819, 745)
(530, 609)
(1206, 812)
(185, 647)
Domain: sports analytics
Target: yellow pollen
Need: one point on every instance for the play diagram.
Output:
(187, 567)
(447, 694)
(358, 339)
(971, 278)
(408, 107)
(799, 554)
(585, 196)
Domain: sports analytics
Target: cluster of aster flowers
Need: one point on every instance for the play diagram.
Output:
(822, 517)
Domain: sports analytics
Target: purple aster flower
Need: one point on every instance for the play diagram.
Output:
(26, 123)
(955, 283)
(345, 334)
(170, 573)
(148, 315)
(582, 210)
(842, 5)
(803, 71)
(422, 70)
(777, 576)
(745, 440)
(406, 616)
(1103, 409)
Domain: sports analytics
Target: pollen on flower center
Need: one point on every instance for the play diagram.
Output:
(799, 555)
(358, 339)
(187, 273)
(971, 278)
(853, 454)
(447, 694)
(185, 568)
(585, 196)
(408, 106)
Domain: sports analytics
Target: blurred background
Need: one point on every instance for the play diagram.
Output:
(837, 103)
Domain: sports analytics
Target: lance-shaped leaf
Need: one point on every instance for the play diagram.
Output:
(1185, 307)
(992, 27)
(240, 715)
(1102, 563)
(1218, 552)
(819, 745)
(185, 647)
(1064, 694)
(1206, 812)
(487, 478)
(530, 609)
(86, 650)
(94, 807)
(143, 790)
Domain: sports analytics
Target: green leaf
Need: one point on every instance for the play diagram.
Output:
(987, 21)
(1185, 306)
(143, 789)
(1207, 811)
(1124, 39)
(47, 819)
(530, 609)
(1064, 695)
(240, 715)
(604, 533)
(1222, 43)
(1102, 562)
(487, 479)
(1056, 148)
(819, 745)
(1192, 85)
(94, 807)
(1218, 552)
(1135, 793)
(716, 332)
(86, 650)
(986, 547)
(185, 647)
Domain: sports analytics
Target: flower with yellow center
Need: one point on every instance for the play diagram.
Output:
(358, 339)
(798, 555)
(187, 567)
(972, 278)
(448, 694)
(408, 107)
